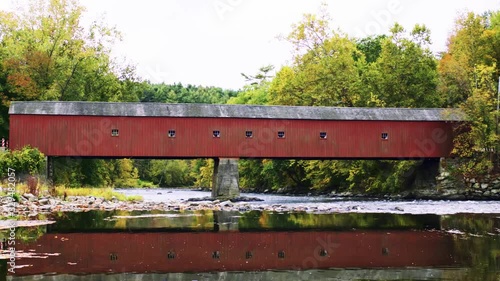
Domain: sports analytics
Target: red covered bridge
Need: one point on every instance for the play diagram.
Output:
(157, 130)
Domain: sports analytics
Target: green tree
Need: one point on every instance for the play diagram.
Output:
(178, 93)
(327, 75)
(47, 54)
(404, 75)
(171, 173)
(124, 174)
(325, 66)
(371, 47)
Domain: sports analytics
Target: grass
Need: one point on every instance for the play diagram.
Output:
(60, 191)
(103, 192)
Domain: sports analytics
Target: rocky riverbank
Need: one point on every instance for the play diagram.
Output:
(482, 193)
(444, 190)
(30, 206)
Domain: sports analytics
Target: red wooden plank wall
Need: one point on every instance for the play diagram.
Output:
(90, 136)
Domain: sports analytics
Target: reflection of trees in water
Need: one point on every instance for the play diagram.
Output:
(25, 234)
(348, 221)
(82, 221)
(135, 220)
(481, 254)
(472, 223)
(479, 247)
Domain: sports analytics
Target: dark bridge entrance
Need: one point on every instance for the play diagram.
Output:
(229, 132)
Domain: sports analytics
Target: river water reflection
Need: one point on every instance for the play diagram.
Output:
(259, 245)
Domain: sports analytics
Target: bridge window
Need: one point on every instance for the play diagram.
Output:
(322, 135)
(385, 136)
(216, 134)
(248, 255)
(281, 134)
(171, 133)
(249, 134)
(216, 255)
(281, 254)
(114, 132)
(171, 255)
(385, 251)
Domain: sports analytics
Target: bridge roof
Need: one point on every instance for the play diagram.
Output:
(232, 111)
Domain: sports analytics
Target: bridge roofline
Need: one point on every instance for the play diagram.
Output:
(137, 109)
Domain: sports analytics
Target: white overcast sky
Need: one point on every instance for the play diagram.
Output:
(210, 42)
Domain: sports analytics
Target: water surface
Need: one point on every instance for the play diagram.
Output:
(459, 241)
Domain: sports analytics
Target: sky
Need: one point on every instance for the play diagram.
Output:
(211, 42)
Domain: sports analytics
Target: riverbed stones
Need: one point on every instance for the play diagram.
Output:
(226, 203)
(44, 201)
(30, 197)
(48, 204)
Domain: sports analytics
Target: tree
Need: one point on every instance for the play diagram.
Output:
(325, 69)
(47, 54)
(171, 173)
(262, 76)
(177, 93)
(475, 41)
(468, 74)
(477, 142)
(404, 75)
(124, 174)
(371, 47)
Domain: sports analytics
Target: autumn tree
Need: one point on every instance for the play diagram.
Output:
(47, 54)
(468, 73)
(477, 141)
(474, 43)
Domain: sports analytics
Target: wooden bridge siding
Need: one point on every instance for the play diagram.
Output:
(147, 137)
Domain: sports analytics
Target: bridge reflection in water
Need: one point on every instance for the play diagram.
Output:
(204, 252)
(242, 247)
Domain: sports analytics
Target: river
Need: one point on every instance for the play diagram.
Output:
(364, 240)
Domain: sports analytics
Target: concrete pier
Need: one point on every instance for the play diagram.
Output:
(49, 170)
(225, 181)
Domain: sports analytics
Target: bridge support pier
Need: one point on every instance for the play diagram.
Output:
(425, 175)
(225, 181)
(49, 172)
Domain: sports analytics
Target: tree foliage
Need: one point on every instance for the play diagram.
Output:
(475, 42)
(177, 93)
(468, 74)
(404, 74)
(324, 71)
(477, 141)
(28, 161)
(46, 54)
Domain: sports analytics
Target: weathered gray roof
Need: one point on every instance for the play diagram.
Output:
(233, 111)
